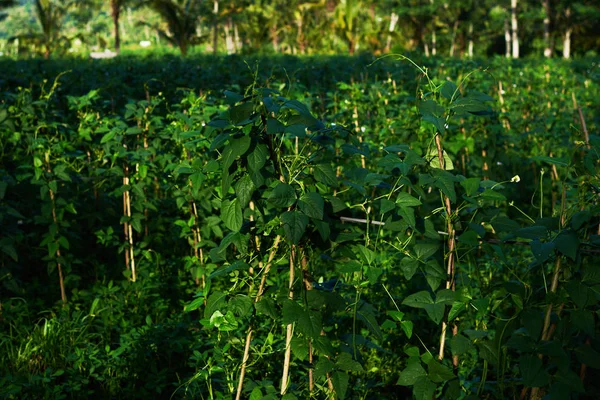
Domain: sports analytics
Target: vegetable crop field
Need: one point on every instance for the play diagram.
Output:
(282, 227)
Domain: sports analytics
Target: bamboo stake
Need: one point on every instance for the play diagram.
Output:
(289, 329)
(246, 355)
(450, 284)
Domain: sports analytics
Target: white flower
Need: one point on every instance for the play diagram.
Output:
(363, 129)
(516, 178)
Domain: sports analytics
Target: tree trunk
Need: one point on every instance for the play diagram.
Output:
(228, 36)
(548, 44)
(275, 38)
(515, 28)
(433, 36)
(507, 37)
(116, 12)
(215, 26)
(453, 44)
(471, 40)
(567, 37)
(393, 21)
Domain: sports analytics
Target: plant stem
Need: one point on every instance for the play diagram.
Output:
(63, 293)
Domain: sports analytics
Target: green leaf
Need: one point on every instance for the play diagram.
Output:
(340, 384)
(312, 204)
(300, 347)
(236, 147)
(532, 371)
(567, 243)
(425, 250)
(267, 307)
(292, 311)
(258, 157)
(408, 215)
(283, 195)
(418, 300)
(244, 189)
(588, 356)
(492, 195)
(215, 302)
(434, 160)
(387, 205)
(294, 225)
(459, 345)
(435, 312)
(231, 214)
(324, 173)
(240, 114)
(445, 182)
(411, 374)
(240, 305)
(346, 363)
(471, 185)
(406, 200)
(449, 89)
(424, 389)
(439, 373)
(107, 137)
(323, 367)
(577, 221)
(409, 266)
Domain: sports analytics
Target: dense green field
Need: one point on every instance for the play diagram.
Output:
(318, 227)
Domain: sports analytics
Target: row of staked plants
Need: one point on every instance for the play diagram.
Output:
(369, 241)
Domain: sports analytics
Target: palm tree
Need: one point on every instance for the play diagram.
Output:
(181, 17)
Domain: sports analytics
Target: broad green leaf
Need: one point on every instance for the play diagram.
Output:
(409, 266)
(340, 384)
(240, 305)
(214, 302)
(425, 250)
(345, 363)
(459, 345)
(292, 311)
(567, 243)
(267, 307)
(532, 371)
(411, 373)
(294, 225)
(471, 186)
(231, 214)
(323, 367)
(244, 189)
(424, 389)
(312, 204)
(439, 373)
(283, 195)
(588, 356)
(408, 215)
(418, 300)
(300, 347)
(449, 89)
(240, 114)
(258, 157)
(435, 312)
(406, 200)
(444, 180)
(492, 195)
(324, 173)
(434, 160)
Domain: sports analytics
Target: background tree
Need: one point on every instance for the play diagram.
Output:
(181, 18)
